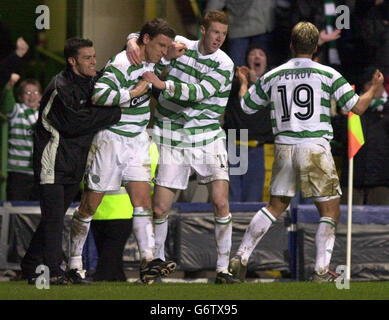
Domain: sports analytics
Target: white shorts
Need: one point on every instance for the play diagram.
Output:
(115, 160)
(308, 167)
(177, 164)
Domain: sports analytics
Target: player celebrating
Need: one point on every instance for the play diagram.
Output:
(298, 94)
(187, 127)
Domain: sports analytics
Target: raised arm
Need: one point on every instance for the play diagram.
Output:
(133, 50)
(7, 98)
(254, 98)
(13, 62)
(365, 99)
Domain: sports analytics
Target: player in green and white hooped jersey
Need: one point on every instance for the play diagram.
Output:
(120, 154)
(298, 94)
(187, 123)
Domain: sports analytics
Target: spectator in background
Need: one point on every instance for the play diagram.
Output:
(13, 62)
(335, 47)
(22, 117)
(282, 29)
(250, 22)
(371, 174)
(249, 186)
(373, 34)
(6, 41)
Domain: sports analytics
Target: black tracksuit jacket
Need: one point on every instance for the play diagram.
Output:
(66, 125)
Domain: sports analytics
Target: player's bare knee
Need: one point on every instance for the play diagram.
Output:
(277, 205)
(329, 208)
(86, 210)
(221, 207)
(161, 211)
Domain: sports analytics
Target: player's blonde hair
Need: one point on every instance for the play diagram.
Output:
(304, 38)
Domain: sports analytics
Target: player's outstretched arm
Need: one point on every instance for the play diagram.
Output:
(365, 99)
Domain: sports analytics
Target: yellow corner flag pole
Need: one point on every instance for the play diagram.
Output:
(355, 142)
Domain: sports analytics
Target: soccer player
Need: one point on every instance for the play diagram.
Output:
(298, 94)
(120, 155)
(187, 127)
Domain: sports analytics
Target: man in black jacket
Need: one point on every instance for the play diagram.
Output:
(66, 125)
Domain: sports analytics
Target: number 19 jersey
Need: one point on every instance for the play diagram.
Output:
(299, 94)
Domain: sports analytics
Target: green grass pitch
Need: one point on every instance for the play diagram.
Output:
(197, 291)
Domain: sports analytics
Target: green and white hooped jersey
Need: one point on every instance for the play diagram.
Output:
(22, 120)
(197, 90)
(113, 88)
(298, 94)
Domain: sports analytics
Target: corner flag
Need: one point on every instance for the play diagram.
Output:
(355, 142)
(355, 134)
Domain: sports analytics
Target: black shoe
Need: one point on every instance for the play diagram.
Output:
(225, 278)
(156, 268)
(75, 277)
(329, 276)
(56, 280)
(237, 269)
(59, 280)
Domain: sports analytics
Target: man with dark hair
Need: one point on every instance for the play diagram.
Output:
(66, 125)
(120, 155)
(72, 46)
(298, 94)
(155, 27)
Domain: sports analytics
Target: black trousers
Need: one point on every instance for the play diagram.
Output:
(46, 244)
(110, 238)
(21, 186)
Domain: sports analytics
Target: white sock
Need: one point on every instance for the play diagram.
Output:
(78, 233)
(223, 236)
(143, 231)
(258, 226)
(325, 239)
(75, 263)
(160, 231)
